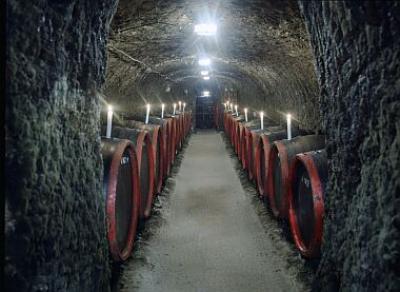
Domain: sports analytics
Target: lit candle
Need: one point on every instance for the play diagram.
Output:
(289, 126)
(162, 110)
(245, 114)
(231, 107)
(236, 110)
(147, 113)
(180, 106)
(174, 108)
(224, 105)
(184, 105)
(262, 120)
(109, 121)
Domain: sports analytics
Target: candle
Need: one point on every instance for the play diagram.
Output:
(162, 110)
(236, 110)
(231, 107)
(262, 120)
(180, 106)
(245, 114)
(147, 113)
(224, 105)
(184, 105)
(174, 108)
(289, 126)
(109, 121)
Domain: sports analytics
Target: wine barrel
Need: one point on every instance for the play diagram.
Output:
(253, 133)
(244, 148)
(158, 145)
(145, 157)
(122, 195)
(188, 122)
(309, 175)
(236, 121)
(281, 155)
(174, 137)
(263, 149)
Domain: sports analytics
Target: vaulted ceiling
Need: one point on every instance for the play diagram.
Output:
(260, 55)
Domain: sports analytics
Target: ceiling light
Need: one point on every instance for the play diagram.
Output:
(206, 29)
(206, 77)
(206, 93)
(204, 62)
(204, 73)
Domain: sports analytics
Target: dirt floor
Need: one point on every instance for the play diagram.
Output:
(210, 232)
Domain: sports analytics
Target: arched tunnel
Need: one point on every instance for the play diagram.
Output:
(182, 145)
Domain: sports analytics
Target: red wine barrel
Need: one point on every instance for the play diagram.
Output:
(263, 149)
(122, 194)
(164, 133)
(281, 155)
(309, 175)
(145, 157)
(228, 122)
(236, 121)
(188, 119)
(174, 137)
(253, 134)
(244, 148)
(158, 144)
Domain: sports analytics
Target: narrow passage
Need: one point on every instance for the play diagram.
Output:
(209, 237)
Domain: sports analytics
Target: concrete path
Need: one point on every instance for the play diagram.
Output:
(209, 238)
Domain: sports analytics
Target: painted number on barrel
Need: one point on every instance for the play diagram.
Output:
(124, 160)
(305, 181)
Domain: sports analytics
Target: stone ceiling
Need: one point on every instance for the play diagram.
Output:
(261, 52)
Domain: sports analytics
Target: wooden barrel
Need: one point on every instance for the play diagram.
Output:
(158, 145)
(308, 176)
(174, 137)
(235, 132)
(122, 195)
(188, 122)
(145, 156)
(252, 136)
(263, 148)
(244, 142)
(280, 157)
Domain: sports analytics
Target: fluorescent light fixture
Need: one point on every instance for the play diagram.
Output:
(206, 29)
(204, 62)
(204, 73)
(206, 93)
(206, 77)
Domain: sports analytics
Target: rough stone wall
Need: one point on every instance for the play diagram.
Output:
(55, 222)
(357, 51)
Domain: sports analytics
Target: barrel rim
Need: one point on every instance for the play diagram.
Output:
(278, 149)
(150, 154)
(313, 249)
(116, 253)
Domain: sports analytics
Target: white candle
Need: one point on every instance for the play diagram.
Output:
(236, 110)
(262, 120)
(109, 121)
(174, 108)
(180, 106)
(184, 105)
(289, 126)
(224, 105)
(231, 107)
(147, 113)
(245, 114)
(162, 110)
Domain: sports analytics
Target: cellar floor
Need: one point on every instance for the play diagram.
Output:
(206, 234)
